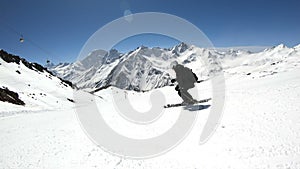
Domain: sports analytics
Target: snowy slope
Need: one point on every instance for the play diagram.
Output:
(259, 129)
(38, 89)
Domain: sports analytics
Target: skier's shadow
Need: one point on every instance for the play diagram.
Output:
(196, 107)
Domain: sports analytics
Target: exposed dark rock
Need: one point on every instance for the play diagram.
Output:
(7, 95)
(101, 88)
(71, 100)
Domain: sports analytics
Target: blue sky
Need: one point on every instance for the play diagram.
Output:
(57, 29)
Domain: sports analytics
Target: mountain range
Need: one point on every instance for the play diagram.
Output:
(146, 68)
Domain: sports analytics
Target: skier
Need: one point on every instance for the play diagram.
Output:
(185, 79)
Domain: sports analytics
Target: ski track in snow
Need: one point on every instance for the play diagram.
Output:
(260, 129)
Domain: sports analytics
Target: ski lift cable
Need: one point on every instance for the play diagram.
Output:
(26, 39)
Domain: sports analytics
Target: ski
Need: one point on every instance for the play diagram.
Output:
(182, 104)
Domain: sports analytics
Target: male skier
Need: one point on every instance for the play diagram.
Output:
(185, 79)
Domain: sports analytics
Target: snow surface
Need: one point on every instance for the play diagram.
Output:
(259, 129)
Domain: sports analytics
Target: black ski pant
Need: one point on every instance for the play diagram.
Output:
(184, 94)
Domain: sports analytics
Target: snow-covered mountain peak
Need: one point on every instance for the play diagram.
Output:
(99, 57)
(276, 48)
(297, 47)
(281, 46)
(94, 58)
(112, 55)
(183, 45)
(142, 47)
(180, 48)
(235, 53)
